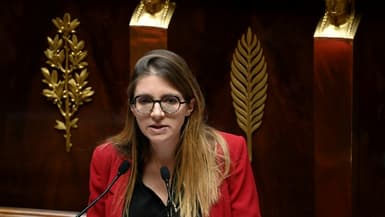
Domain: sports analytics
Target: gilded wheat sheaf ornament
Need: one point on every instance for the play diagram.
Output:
(249, 85)
(66, 74)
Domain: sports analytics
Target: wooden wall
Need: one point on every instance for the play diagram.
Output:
(37, 172)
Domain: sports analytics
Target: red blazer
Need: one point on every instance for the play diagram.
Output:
(239, 197)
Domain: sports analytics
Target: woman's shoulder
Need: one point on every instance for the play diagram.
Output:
(236, 144)
(105, 151)
(105, 147)
(106, 159)
(231, 138)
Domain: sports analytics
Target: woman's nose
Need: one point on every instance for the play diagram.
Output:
(157, 110)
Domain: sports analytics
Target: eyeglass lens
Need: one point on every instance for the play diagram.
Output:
(169, 104)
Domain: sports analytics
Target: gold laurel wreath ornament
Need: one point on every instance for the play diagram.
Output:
(65, 55)
(249, 85)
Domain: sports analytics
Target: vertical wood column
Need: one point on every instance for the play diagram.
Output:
(333, 127)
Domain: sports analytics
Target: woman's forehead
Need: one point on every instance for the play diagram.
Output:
(154, 84)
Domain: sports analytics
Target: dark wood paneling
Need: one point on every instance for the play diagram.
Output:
(36, 170)
(370, 117)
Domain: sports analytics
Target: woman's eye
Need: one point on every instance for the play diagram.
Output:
(170, 100)
(144, 100)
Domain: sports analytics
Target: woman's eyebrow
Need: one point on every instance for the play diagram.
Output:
(162, 96)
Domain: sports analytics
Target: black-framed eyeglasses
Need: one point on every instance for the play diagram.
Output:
(169, 104)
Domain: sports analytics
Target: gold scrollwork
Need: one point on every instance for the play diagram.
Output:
(249, 84)
(69, 90)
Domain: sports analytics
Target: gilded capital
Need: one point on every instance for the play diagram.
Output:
(153, 13)
(339, 20)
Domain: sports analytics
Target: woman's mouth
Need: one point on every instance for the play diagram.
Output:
(158, 128)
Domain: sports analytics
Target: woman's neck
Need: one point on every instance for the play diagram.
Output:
(162, 158)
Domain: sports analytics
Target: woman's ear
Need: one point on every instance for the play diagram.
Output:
(132, 109)
(190, 107)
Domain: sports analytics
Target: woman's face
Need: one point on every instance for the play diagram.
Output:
(158, 126)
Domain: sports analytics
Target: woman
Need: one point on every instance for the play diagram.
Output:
(209, 171)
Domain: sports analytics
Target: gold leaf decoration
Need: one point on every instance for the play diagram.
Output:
(249, 84)
(68, 91)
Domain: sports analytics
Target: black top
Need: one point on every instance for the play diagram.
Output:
(145, 203)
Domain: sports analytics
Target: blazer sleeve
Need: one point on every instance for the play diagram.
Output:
(99, 175)
(242, 187)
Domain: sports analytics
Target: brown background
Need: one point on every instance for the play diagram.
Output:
(37, 172)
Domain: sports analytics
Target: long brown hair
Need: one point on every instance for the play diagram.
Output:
(202, 159)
